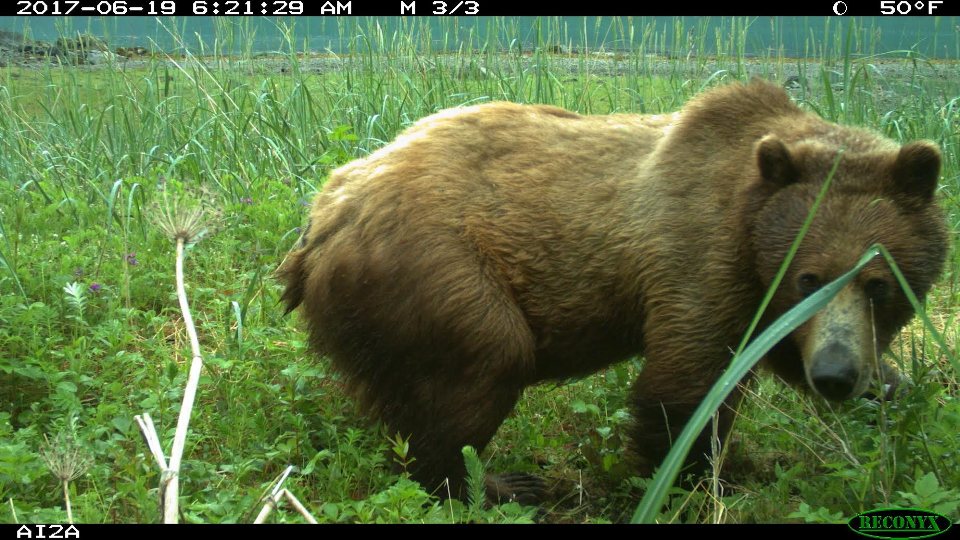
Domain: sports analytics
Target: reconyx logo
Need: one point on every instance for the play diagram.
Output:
(899, 523)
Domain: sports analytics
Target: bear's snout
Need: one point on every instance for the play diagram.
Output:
(838, 353)
(833, 374)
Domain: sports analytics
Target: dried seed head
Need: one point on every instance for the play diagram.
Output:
(65, 456)
(186, 219)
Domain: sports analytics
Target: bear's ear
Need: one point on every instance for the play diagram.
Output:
(775, 162)
(917, 169)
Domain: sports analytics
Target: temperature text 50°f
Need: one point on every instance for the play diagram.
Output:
(906, 7)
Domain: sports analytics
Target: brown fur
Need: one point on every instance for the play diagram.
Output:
(492, 247)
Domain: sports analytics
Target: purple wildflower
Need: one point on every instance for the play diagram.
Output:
(131, 259)
(94, 287)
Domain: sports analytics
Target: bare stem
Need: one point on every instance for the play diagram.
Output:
(171, 511)
(299, 507)
(268, 507)
(66, 497)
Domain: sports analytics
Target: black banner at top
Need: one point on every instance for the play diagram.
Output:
(471, 8)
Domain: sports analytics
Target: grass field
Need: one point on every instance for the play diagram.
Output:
(91, 334)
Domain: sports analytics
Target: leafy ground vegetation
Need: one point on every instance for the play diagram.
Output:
(91, 335)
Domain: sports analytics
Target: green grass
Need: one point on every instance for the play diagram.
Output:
(86, 156)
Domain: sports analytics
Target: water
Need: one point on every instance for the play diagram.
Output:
(937, 37)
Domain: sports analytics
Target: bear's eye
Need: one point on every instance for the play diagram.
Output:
(808, 284)
(877, 290)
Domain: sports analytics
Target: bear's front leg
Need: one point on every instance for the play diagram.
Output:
(664, 398)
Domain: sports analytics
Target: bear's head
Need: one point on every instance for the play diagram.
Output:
(880, 193)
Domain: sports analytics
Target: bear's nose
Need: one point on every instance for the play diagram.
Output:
(833, 375)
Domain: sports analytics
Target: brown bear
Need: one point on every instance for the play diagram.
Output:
(492, 247)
